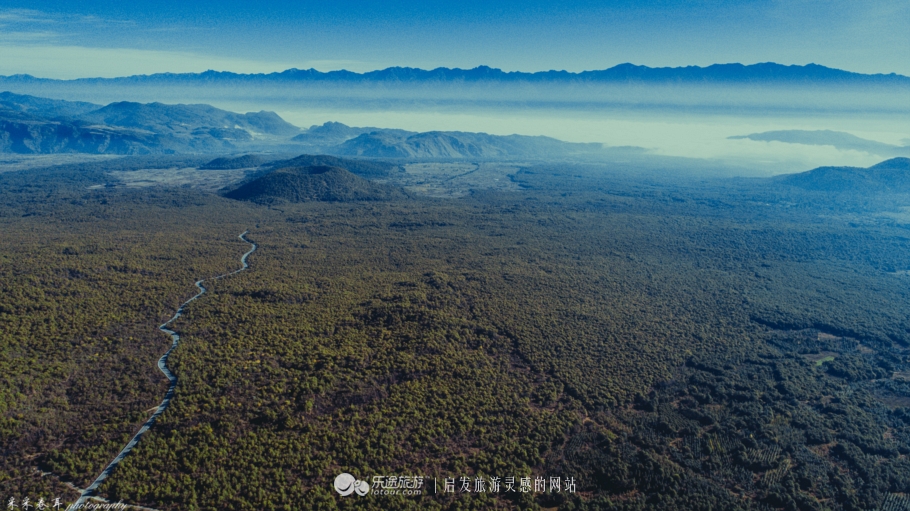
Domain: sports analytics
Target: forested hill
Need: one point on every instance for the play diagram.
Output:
(363, 168)
(316, 183)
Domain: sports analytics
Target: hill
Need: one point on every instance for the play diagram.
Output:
(890, 176)
(315, 183)
(363, 168)
(335, 133)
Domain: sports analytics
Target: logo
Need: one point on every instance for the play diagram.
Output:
(346, 484)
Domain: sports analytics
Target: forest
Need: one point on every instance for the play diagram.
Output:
(667, 343)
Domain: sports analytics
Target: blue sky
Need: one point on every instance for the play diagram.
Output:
(106, 38)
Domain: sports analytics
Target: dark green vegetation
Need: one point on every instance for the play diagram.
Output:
(658, 342)
(246, 161)
(363, 168)
(318, 183)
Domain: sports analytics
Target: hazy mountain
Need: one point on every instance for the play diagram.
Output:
(457, 144)
(394, 143)
(182, 119)
(43, 107)
(888, 176)
(317, 183)
(334, 133)
(728, 89)
(33, 125)
(27, 134)
(767, 72)
(157, 128)
(838, 139)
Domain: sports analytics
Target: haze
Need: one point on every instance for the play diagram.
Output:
(686, 120)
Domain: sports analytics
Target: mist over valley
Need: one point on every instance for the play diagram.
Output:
(686, 112)
(629, 289)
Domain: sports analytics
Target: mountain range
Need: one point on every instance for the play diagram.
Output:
(767, 72)
(32, 125)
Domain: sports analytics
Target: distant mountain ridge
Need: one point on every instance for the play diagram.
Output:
(838, 139)
(766, 72)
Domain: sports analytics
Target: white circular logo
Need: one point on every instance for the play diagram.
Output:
(346, 484)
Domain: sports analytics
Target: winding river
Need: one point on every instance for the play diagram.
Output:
(162, 365)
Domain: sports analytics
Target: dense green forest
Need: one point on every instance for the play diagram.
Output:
(666, 344)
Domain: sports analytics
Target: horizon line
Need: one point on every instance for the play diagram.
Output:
(481, 67)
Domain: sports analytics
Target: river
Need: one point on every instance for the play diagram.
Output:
(162, 365)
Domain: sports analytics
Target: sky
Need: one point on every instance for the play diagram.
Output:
(65, 39)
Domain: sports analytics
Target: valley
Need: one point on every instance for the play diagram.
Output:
(455, 256)
(665, 342)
